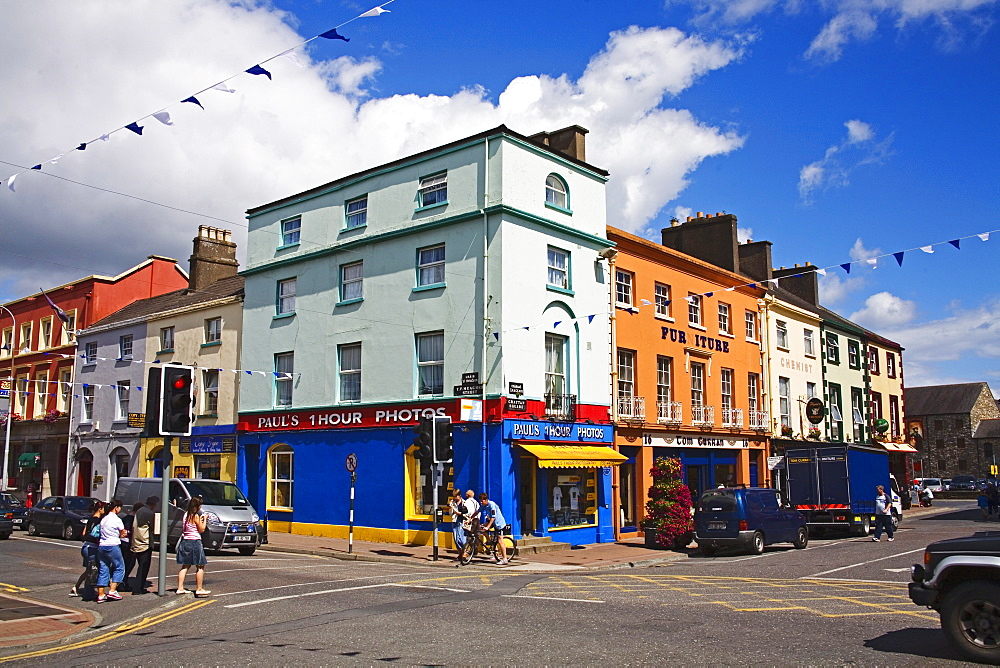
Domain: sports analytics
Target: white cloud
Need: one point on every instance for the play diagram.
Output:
(854, 20)
(858, 148)
(833, 289)
(309, 125)
(859, 253)
(744, 234)
(884, 310)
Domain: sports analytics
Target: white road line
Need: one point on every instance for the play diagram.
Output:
(881, 582)
(46, 542)
(412, 586)
(863, 563)
(306, 584)
(552, 598)
(262, 568)
(310, 593)
(896, 570)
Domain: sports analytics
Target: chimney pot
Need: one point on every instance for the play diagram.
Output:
(701, 214)
(690, 218)
(718, 213)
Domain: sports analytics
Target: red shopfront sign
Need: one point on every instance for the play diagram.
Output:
(348, 417)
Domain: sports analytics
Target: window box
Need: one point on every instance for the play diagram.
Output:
(281, 316)
(435, 286)
(346, 302)
(211, 344)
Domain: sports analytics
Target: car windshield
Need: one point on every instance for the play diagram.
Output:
(80, 504)
(718, 500)
(216, 493)
(930, 482)
(10, 499)
(963, 478)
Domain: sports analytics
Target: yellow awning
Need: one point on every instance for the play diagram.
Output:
(574, 456)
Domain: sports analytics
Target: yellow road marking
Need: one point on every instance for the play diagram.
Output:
(11, 587)
(116, 633)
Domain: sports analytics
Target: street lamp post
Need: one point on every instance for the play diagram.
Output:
(10, 404)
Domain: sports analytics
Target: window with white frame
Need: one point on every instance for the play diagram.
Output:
(213, 330)
(753, 390)
(41, 394)
(45, 334)
(626, 373)
(433, 189)
(166, 338)
(894, 415)
(807, 342)
(290, 230)
(350, 372)
(286, 296)
(65, 389)
(664, 378)
(694, 309)
(26, 337)
(430, 364)
(352, 280)
(430, 266)
(890, 364)
(832, 348)
(123, 388)
(857, 412)
(623, 287)
(555, 192)
(725, 323)
(90, 353)
(836, 417)
(88, 403)
(697, 384)
(781, 334)
(357, 212)
(810, 390)
(661, 299)
(210, 404)
(125, 347)
(280, 468)
(726, 378)
(8, 342)
(23, 392)
(68, 328)
(284, 366)
(784, 401)
(873, 360)
(558, 268)
(750, 322)
(555, 365)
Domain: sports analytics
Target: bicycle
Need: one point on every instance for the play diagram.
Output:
(487, 543)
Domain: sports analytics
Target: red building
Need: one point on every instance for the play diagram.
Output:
(38, 351)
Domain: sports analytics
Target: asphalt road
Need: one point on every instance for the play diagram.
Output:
(840, 601)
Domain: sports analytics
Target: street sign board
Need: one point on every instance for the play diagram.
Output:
(5, 388)
(468, 390)
(814, 410)
(137, 420)
(775, 463)
(517, 405)
(352, 463)
(471, 378)
(517, 389)
(471, 410)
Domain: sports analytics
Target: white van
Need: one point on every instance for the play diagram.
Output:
(232, 521)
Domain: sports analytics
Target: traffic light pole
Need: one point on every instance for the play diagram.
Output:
(437, 484)
(161, 584)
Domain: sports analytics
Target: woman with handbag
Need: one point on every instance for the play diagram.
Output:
(91, 537)
(190, 551)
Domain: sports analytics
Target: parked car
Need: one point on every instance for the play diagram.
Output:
(933, 484)
(963, 482)
(60, 516)
(946, 484)
(6, 520)
(19, 510)
(983, 483)
(747, 519)
(960, 578)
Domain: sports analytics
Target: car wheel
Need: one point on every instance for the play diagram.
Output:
(895, 521)
(248, 551)
(970, 618)
(757, 544)
(865, 527)
(32, 529)
(802, 539)
(5, 536)
(68, 532)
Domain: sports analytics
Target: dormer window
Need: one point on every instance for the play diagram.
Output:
(556, 193)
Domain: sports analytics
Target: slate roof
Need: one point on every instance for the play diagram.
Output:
(227, 287)
(988, 429)
(943, 399)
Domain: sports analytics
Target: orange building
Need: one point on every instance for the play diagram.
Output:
(687, 373)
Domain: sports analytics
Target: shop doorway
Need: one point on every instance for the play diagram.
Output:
(526, 489)
(696, 480)
(84, 472)
(626, 497)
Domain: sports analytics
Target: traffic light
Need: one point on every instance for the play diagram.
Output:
(443, 441)
(176, 399)
(424, 439)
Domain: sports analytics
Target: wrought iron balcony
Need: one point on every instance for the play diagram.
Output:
(669, 412)
(732, 418)
(632, 409)
(560, 406)
(703, 416)
(759, 420)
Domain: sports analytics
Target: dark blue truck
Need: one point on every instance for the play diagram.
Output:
(834, 485)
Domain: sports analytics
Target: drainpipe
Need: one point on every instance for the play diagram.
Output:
(486, 305)
(765, 356)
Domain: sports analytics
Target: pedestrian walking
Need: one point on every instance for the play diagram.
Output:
(457, 505)
(142, 547)
(983, 501)
(111, 566)
(127, 555)
(91, 538)
(993, 495)
(883, 514)
(190, 551)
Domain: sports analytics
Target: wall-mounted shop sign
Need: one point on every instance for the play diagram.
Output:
(345, 417)
(795, 365)
(657, 439)
(529, 430)
(697, 340)
(207, 445)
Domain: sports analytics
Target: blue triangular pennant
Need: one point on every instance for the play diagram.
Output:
(899, 257)
(38, 167)
(590, 318)
(82, 147)
(333, 34)
(709, 294)
(134, 127)
(556, 324)
(257, 69)
(496, 335)
(192, 100)
(846, 267)
(956, 243)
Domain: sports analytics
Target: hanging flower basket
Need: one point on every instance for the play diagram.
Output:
(53, 415)
(14, 416)
(786, 430)
(814, 433)
(668, 522)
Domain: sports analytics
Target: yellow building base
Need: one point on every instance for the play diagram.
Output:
(370, 534)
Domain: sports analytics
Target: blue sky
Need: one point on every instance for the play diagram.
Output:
(837, 130)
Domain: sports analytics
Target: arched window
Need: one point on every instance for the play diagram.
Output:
(280, 476)
(556, 192)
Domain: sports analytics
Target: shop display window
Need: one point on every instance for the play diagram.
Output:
(423, 498)
(572, 497)
(208, 467)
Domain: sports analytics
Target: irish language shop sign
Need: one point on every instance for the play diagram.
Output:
(567, 432)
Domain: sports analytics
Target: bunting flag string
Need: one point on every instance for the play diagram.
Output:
(163, 116)
(88, 360)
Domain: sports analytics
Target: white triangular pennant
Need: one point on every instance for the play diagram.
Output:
(163, 117)
(985, 236)
(927, 249)
(872, 262)
(375, 11)
(224, 87)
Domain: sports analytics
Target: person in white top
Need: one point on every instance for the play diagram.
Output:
(111, 565)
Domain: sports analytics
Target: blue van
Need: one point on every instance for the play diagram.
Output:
(747, 518)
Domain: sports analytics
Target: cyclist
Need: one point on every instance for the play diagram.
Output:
(490, 518)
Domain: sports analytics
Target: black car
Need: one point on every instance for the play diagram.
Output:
(963, 482)
(6, 520)
(960, 578)
(20, 511)
(61, 516)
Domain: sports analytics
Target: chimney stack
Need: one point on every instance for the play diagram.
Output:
(568, 141)
(711, 239)
(803, 282)
(214, 257)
